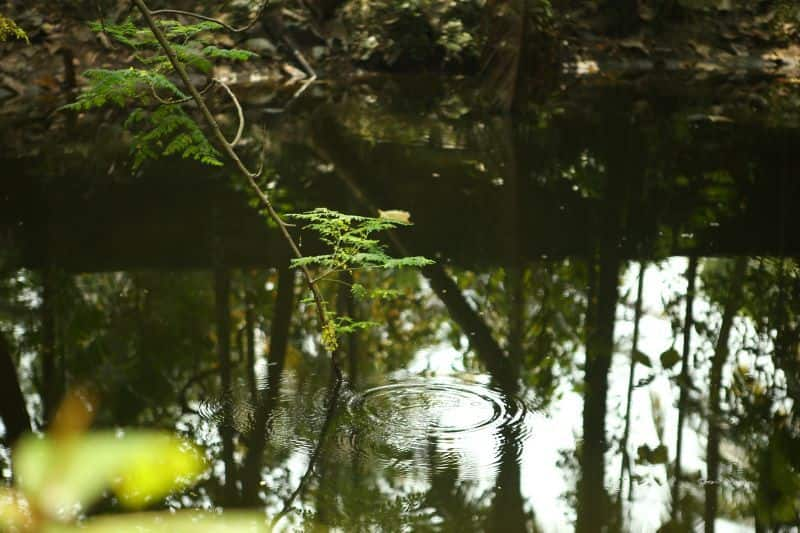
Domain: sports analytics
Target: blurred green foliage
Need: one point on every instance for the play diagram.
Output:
(414, 32)
(61, 475)
(9, 29)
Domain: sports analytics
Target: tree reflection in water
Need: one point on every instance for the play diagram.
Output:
(539, 224)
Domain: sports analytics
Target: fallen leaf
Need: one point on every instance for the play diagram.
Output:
(702, 50)
(396, 215)
(635, 44)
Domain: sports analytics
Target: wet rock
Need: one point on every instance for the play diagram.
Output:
(260, 46)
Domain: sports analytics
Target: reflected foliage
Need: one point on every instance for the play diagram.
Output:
(537, 224)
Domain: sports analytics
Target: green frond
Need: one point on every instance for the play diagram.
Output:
(134, 36)
(9, 29)
(232, 54)
(175, 30)
(352, 248)
(408, 262)
(371, 258)
(122, 87)
(189, 54)
(358, 291)
(385, 294)
(169, 131)
(189, 45)
(313, 260)
(330, 337)
(126, 32)
(345, 324)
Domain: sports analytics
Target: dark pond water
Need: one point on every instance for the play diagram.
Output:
(614, 223)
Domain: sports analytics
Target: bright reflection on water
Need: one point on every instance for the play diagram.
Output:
(461, 422)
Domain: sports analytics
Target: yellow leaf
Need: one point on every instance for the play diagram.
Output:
(15, 511)
(396, 215)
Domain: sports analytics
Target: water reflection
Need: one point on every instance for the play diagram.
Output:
(495, 396)
(464, 424)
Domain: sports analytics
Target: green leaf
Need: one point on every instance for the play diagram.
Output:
(330, 336)
(232, 54)
(65, 475)
(385, 294)
(670, 358)
(345, 324)
(359, 291)
(350, 241)
(122, 87)
(169, 131)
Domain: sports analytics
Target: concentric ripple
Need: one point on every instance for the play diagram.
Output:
(241, 412)
(444, 422)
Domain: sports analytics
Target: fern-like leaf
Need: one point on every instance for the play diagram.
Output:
(232, 54)
(169, 131)
(121, 87)
(352, 247)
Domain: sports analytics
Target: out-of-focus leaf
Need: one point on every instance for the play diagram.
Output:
(653, 456)
(642, 359)
(670, 358)
(14, 511)
(395, 215)
(182, 522)
(65, 475)
(157, 465)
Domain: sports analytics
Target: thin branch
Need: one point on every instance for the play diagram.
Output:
(301, 58)
(168, 12)
(684, 382)
(340, 282)
(239, 112)
(231, 153)
(637, 318)
(326, 274)
(333, 397)
(165, 101)
(302, 89)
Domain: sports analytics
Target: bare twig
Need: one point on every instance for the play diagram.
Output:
(302, 59)
(168, 12)
(239, 112)
(234, 157)
(306, 85)
(333, 397)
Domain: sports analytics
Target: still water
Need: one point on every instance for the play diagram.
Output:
(615, 281)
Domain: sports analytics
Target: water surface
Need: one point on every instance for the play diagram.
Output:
(494, 394)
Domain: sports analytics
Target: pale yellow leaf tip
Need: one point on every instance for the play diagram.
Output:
(396, 215)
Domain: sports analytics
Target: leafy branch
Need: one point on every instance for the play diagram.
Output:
(161, 127)
(157, 130)
(353, 247)
(350, 236)
(351, 242)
